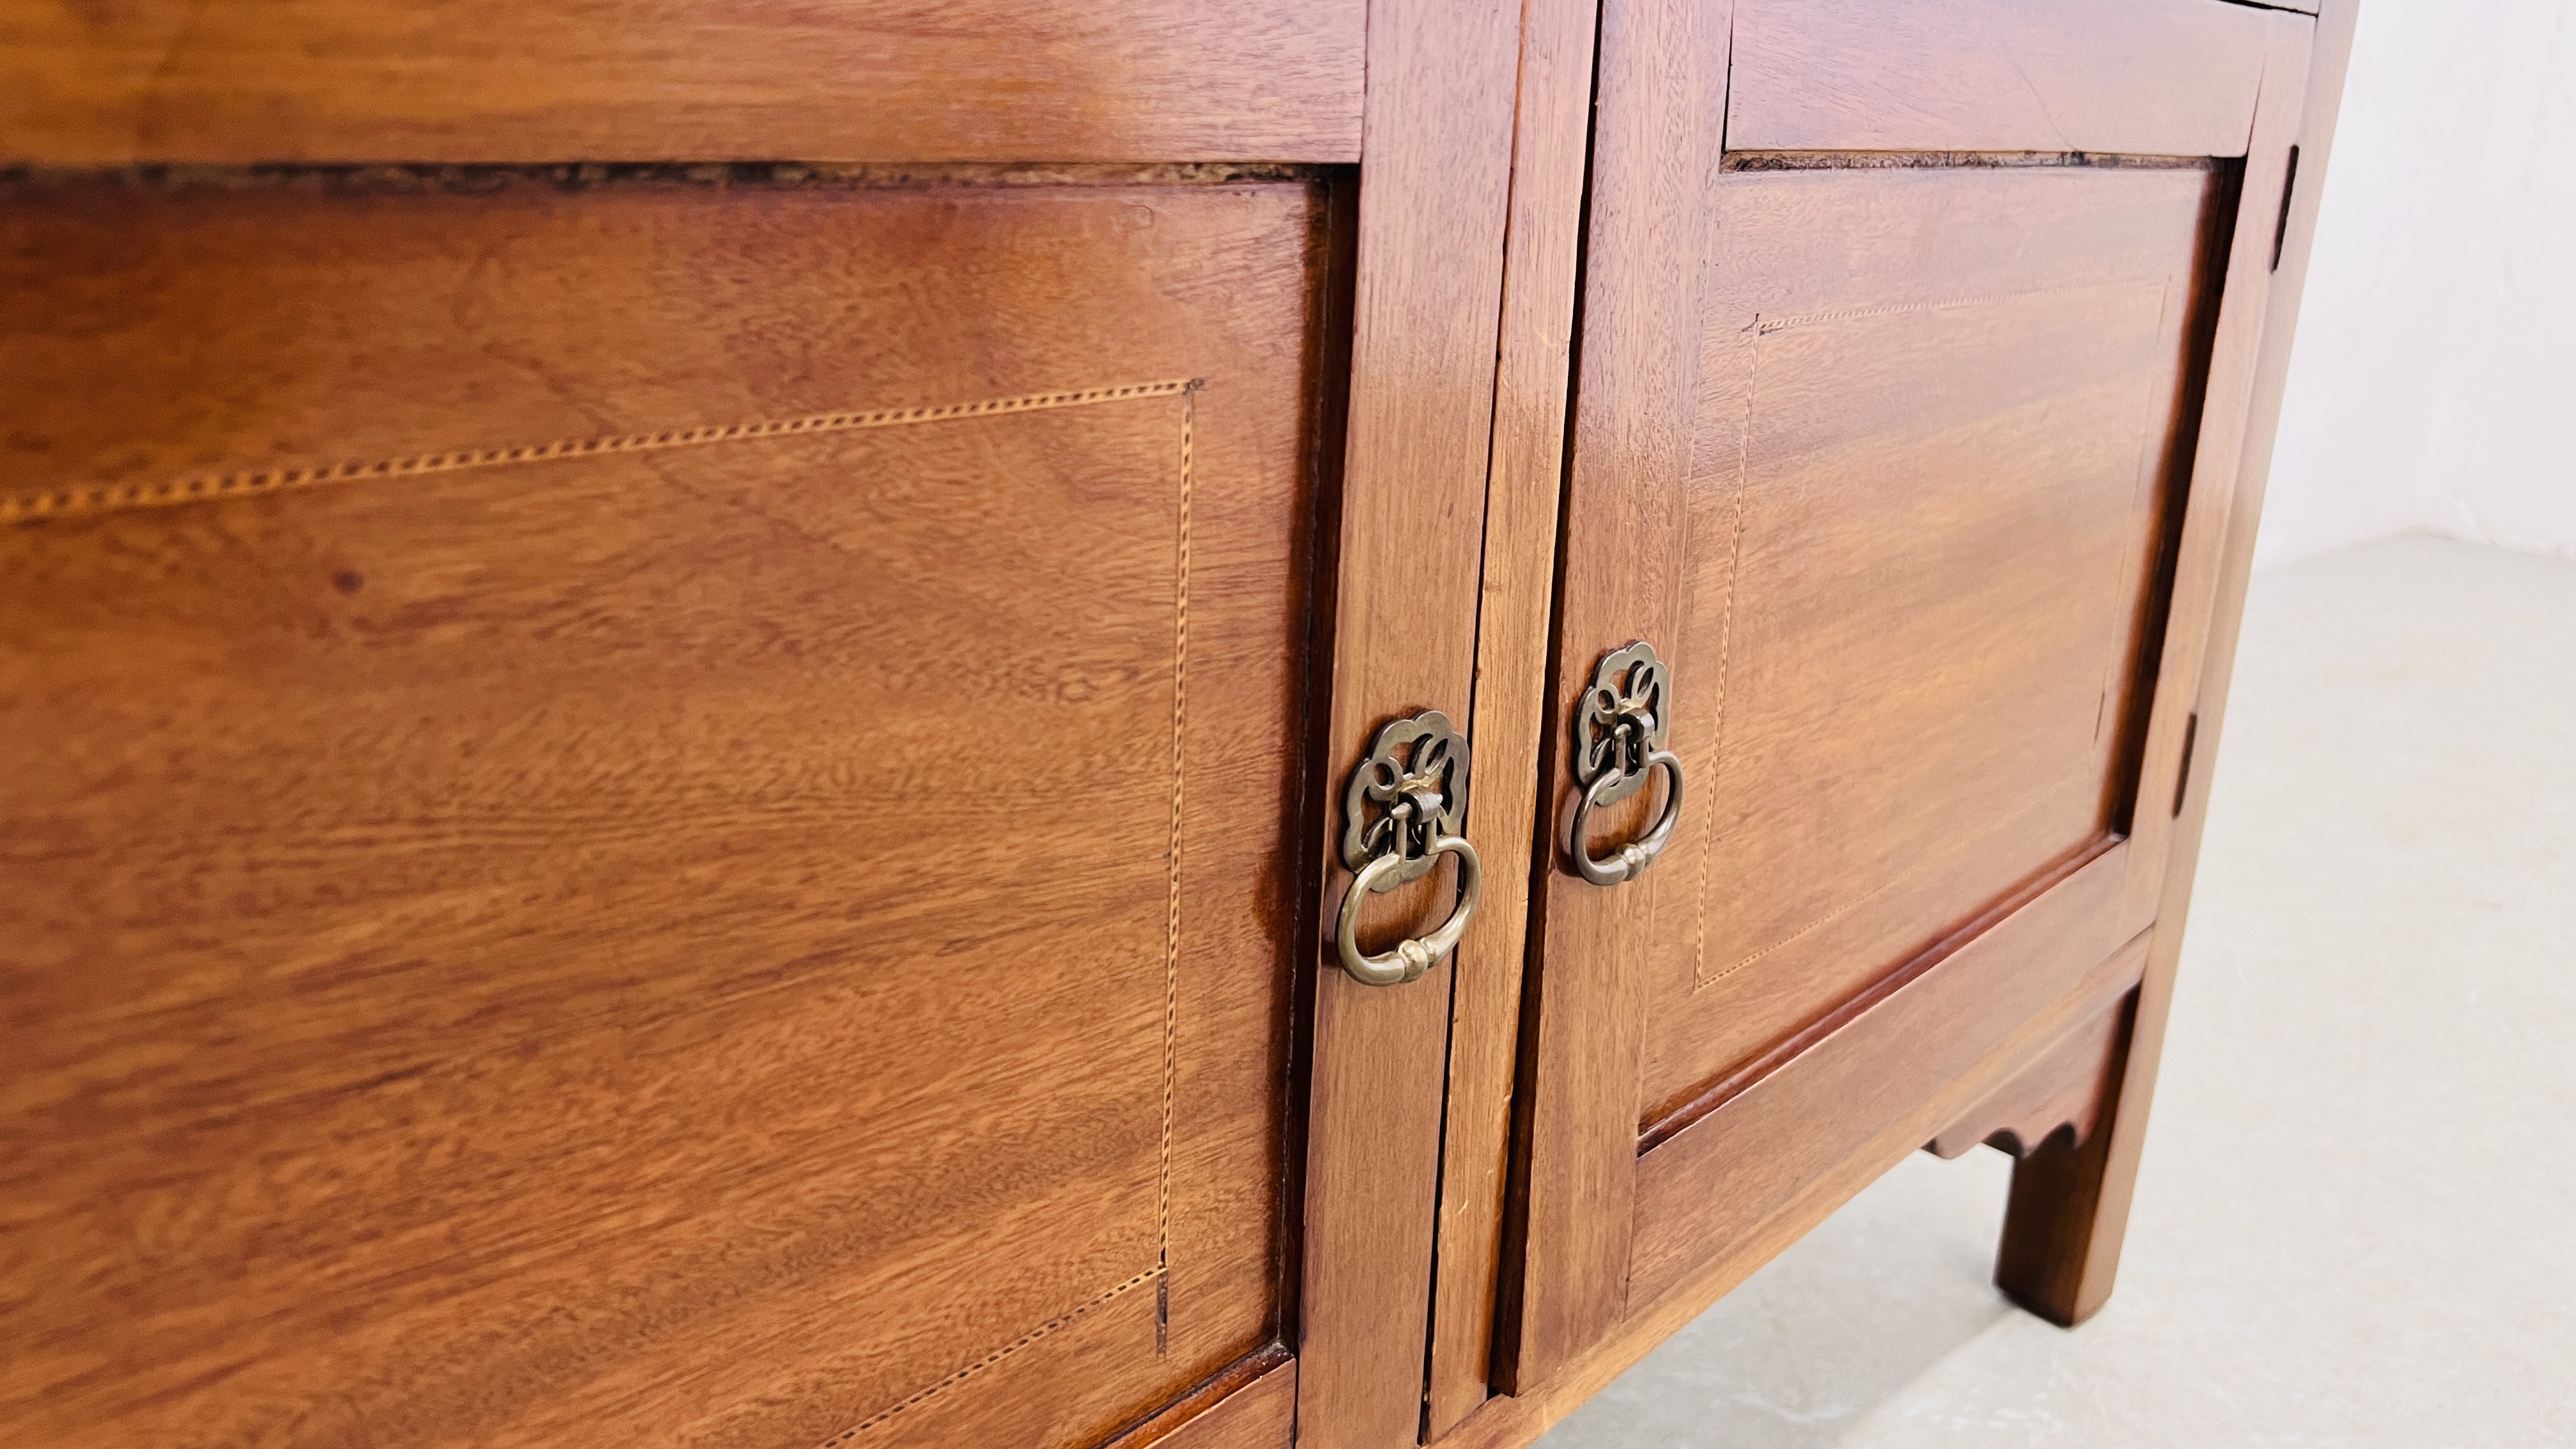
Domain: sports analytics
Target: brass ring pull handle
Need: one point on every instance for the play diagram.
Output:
(1414, 955)
(1630, 860)
(1403, 810)
(1621, 733)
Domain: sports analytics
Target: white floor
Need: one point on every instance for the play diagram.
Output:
(2356, 1222)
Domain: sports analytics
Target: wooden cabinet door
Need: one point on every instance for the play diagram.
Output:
(1914, 367)
(667, 762)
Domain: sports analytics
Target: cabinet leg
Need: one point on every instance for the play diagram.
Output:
(2070, 1202)
(2062, 1232)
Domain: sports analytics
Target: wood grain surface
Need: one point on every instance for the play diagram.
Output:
(1929, 493)
(2145, 77)
(1252, 1404)
(1662, 70)
(1514, 1421)
(2069, 1214)
(1549, 147)
(1905, 540)
(86, 84)
(609, 919)
(2056, 1101)
(689, 800)
(2240, 262)
(1434, 197)
(1996, 1000)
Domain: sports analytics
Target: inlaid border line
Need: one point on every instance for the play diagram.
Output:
(1725, 660)
(1701, 978)
(1765, 326)
(1172, 859)
(1061, 1321)
(1909, 876)
(77, 500)
(1160, 1274)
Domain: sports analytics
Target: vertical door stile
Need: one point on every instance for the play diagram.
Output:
(1522, 494)
(1434, 181)
(2234, 355)
(1656, 149)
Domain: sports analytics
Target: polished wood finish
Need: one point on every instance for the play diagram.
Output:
(1251, 1405)
(631, 936)
(686, 675)
(1913, 480)
(1661, 74)
(1521, 502)
(2069, 1212)
(1928, 502)
(2144, 77)
(2056, 1101)
(661, 80)
(1514, 1421)
(1434, 197)
(1706, 1191)
(2244, 268)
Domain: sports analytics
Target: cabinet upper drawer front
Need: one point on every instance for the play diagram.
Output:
(716, 879)
(2141, 77)
(84, 84)
(1933, 482)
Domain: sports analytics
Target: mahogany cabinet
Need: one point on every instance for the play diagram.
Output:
(1062, 725)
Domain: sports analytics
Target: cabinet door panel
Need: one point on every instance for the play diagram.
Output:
(684, 799)
(721, 879)
(1926, 510)
(1916, 482)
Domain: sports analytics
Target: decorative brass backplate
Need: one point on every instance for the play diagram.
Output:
(1625, 718)
(1410, 790)
(1405, 809)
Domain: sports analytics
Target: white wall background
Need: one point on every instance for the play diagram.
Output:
(2433, 385)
